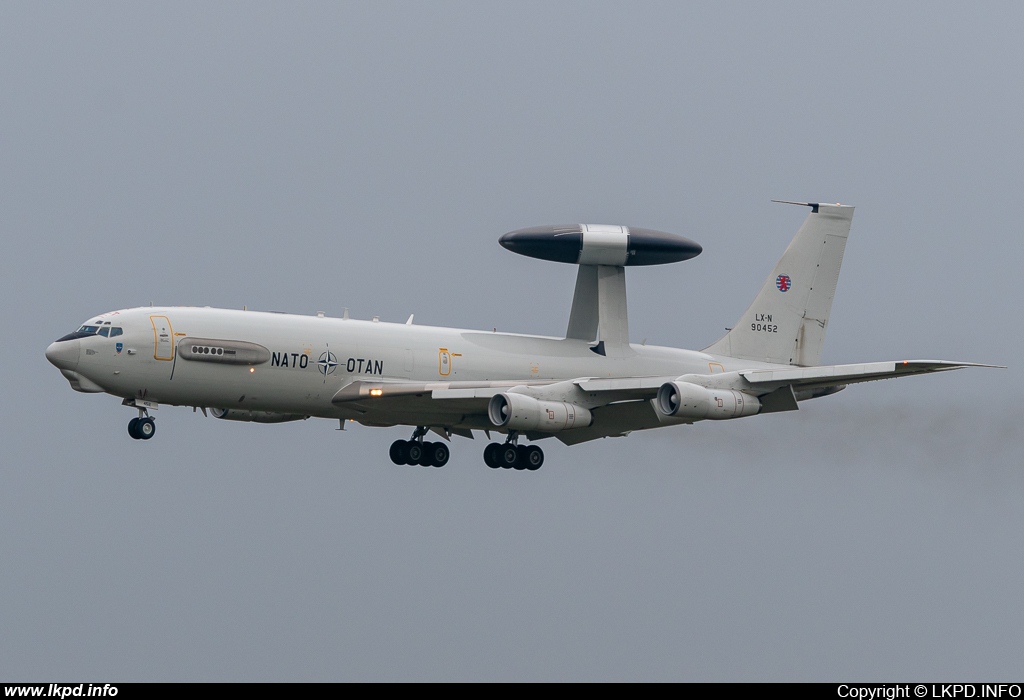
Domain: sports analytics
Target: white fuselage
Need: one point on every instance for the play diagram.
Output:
(313, 357)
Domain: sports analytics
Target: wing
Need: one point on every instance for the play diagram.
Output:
(763, 381)
(458, 406)
(618, 406)
(777, 390)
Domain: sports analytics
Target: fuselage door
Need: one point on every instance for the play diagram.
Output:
(163, 338)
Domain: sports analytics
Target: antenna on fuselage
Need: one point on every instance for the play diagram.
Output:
(602, 252)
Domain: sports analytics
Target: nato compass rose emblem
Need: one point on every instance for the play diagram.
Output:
(327, 363)
(784, 283)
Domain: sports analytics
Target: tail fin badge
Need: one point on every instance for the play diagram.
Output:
(783, 282)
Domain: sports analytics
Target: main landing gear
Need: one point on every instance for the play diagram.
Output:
(507, 455)
(418, 452)
(512, 456)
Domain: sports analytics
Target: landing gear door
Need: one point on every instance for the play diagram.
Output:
(163, 338)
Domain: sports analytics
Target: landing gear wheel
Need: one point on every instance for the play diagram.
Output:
(145, 428)
(427, 458)
(414, 453)
(520, 464)
(133, 426)
(439, 454)
(399, 452)
(508, 456)
(533, 457)
(491, 455)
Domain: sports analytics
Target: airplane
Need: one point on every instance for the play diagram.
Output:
(593, 383)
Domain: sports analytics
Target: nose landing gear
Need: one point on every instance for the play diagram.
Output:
(142, 428)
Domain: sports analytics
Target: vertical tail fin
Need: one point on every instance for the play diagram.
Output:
(787, 321)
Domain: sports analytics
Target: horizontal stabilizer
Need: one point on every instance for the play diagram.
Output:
(839, 375)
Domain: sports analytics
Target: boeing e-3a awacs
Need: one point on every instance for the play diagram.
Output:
(593, 383)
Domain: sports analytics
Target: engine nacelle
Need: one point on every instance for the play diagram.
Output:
(520, 412)
(254, 416)
(694, 402)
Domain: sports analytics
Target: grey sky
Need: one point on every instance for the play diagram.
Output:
(321, 156)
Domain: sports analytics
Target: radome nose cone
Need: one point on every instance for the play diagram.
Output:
(65, 354)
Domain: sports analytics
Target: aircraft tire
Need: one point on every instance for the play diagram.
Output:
(521, 463)
(491, 455)
(133, 425)
(439, 454)
(533, 458)
(399, 452)
(414, 453)
(427, 458)
(146, 428)
(508, 456)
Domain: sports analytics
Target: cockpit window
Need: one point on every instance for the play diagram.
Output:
(90, 330)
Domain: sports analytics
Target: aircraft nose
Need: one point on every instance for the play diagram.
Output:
(64, 354)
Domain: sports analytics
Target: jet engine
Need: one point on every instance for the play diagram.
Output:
(254, 416)
(520, 412)
(693, 402)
